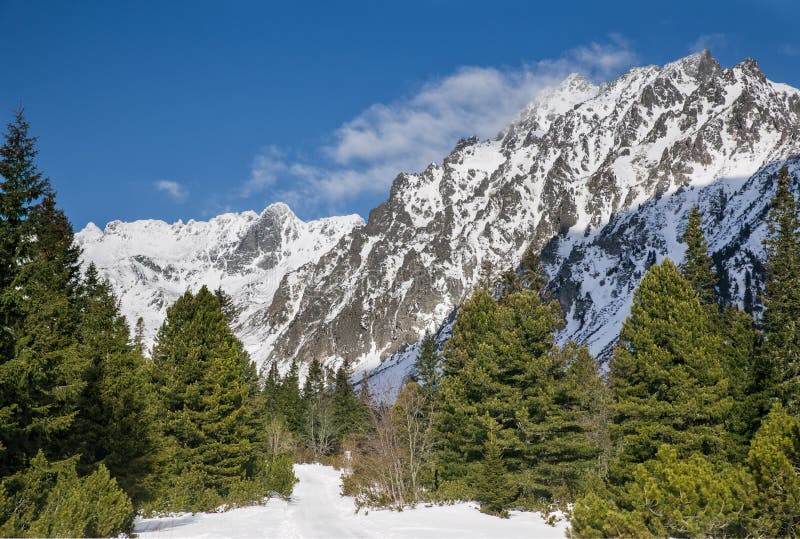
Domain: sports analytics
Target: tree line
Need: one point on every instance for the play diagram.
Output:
(92, 431)
(694, 430)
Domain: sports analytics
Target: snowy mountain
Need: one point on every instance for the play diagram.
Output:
(600, 179)
(151, 263)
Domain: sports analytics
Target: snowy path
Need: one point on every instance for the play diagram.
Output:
(317, 510)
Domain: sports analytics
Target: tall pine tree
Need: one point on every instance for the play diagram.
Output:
(781, 319)
(115, 425)
(667, 380)
(208, 390)
(698, 267)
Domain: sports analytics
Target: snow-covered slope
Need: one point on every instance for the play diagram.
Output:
(317, 510)
(151, 263)
(598, 178)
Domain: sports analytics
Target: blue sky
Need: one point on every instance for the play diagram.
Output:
(185, 110)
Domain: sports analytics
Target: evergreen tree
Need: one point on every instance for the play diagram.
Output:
(747, 299)
(495, 491)
(739, 353)
(427, 366)
(667, 382)
(544, 404)
(670, 496)
(291, 400)
(566, 431)
(349, 412)
(229, 309)
(781, 319)
(774, 461)
(115, 423)
(208, 389)
(315, 383)
(698, 268)
(271, 388)
(43, 373)
(139, 347)
(22, 187)
(51, 500)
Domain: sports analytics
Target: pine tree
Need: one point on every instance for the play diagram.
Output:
(670, 496)
(208, 390)
(495, 491)
(545, 405)
(781, 319)
(349, 412)
(21, 188)
(270, 389)
(427, 366)
(774, 461)
(115, 423)
(139, 347)
(291, 400)
(698, 268)
(229, 308)
(49, 499)
(740, 339)
(365, 392)
(566, 428)
(667, 382)
(314, 384)
(42, 373)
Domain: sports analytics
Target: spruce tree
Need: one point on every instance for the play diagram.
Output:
(270, 389)
(667, 381)
(495, 491)
(22, 187)
(139, 347)
(740, 339)
(315, 383)
(350, 413)
(774, 461)
(544, 404)
(427, 366)
(208, 391)
(698, 267)
(229, 308)
(781, 319)
(291, 400)
(115, 423)
(44, 373)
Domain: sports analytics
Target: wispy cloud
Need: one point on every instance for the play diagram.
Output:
(790, 50)
(365, 154)
(710, 42)
(174, 190)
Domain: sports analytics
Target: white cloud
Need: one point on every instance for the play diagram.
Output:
(790, 50)
(174, 190)
(710, 42)
(264, 171)
(366, 153)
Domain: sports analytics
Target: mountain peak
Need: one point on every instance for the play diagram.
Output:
(279, 209)
(700, 66)
(750, 67)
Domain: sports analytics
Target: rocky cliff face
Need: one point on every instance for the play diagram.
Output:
(598, 178)
(602, 177)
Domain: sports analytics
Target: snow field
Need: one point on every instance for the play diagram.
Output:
(316, 510)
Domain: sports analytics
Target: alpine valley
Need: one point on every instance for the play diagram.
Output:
(598, 179)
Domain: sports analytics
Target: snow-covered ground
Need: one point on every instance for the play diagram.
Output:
(317, 510)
